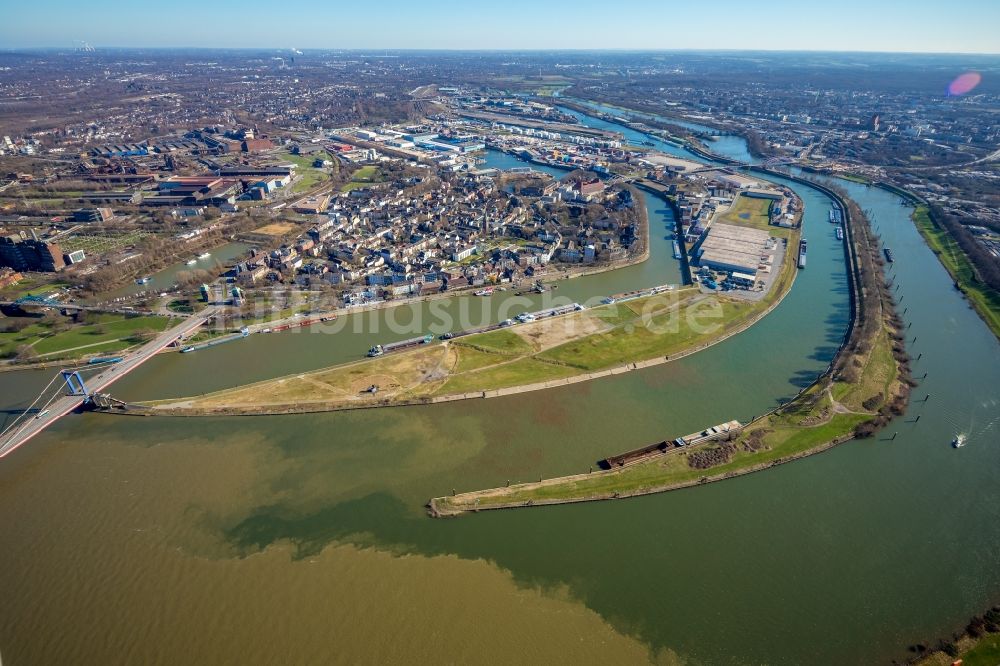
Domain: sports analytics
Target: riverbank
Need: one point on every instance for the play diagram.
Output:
(977, 645)
(984, 300)
(866, 384)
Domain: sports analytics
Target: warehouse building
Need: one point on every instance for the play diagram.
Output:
(730, 248)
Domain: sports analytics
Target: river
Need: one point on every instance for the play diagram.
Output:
(302, 539)
(167, 278)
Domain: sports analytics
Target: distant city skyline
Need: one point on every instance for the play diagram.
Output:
(923, 26)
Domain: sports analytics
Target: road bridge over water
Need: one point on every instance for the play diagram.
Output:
(40, 415)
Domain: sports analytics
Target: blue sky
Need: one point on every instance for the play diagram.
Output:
(961, 26)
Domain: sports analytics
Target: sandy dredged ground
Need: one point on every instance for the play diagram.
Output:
(546, 333)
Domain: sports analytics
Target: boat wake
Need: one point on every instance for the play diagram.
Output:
(966, 431)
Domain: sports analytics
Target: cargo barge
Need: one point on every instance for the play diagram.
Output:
(802, 253)
(380, 350)
(889, 256)
(244, 332)
(720, 433)
(677, 250)
(840, 233)
(296, 324)
(105, 360)
(640, 293)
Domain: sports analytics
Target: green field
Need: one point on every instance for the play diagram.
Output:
(749, 212)
(661, 335)
(306, 175)
(363, 177)
(519, 372)
(504, 341)
(985, 300)
(109, 332)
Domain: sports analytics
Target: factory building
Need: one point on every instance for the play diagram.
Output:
(21, 253)
(93, 215)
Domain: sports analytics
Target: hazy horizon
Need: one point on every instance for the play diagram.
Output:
(391, 49)
(960, 27)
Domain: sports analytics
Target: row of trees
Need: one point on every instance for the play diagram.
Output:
(876, 317)
(986, 266)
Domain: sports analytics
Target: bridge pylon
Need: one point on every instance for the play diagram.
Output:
(74, 382)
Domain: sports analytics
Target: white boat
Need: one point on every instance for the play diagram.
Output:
(485, 292)
(204, 255)
(192, 262)
(959, 440)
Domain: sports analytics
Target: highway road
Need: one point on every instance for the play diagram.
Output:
(31, 426)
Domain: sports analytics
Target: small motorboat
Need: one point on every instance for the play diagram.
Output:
(959, 441)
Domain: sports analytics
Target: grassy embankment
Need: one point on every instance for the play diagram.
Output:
(868, 384)
(574, 345)
(107, 333)
(984, 300)
(579, 345)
